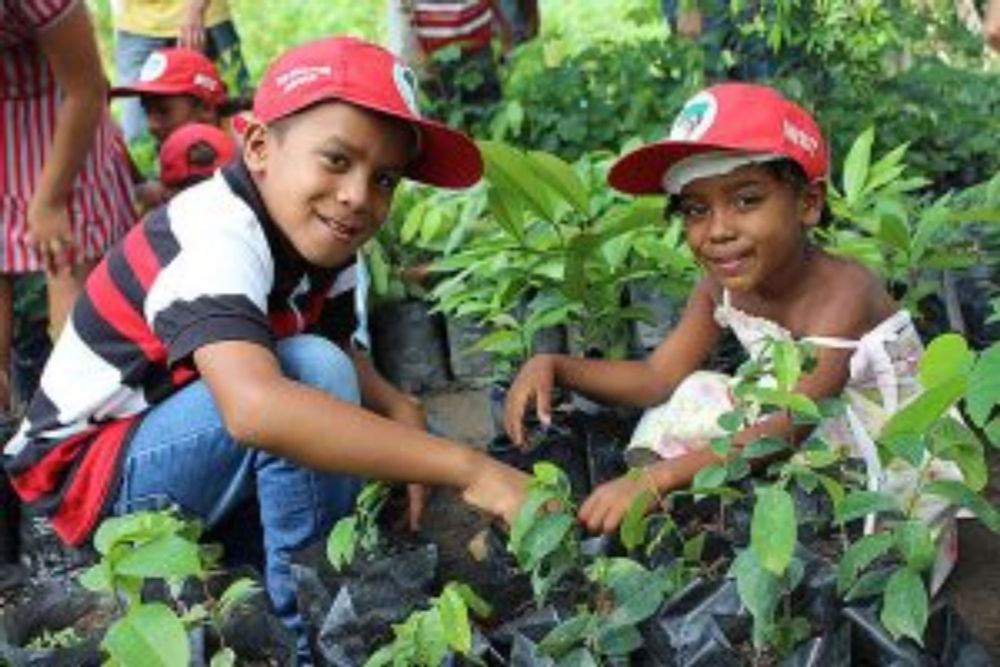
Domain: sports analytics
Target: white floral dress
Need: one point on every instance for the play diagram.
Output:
(883, 377)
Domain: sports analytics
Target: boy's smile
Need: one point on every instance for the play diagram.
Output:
(747, 228)
(327, 176)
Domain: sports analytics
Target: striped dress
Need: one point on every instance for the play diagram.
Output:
(101, 200)
(441, 23)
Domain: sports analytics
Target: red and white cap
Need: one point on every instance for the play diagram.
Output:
(723, 127)
(367, 76)
(177, 72)
(178, 161)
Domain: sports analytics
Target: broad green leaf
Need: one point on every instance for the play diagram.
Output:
(165, 556)
(859, 556)
(787, 364)
(904, 605)
(731, 421)
(948, 355)
(961, 495)
(954, 441)
(856, 165)
(759, 589)
(859, 504)
(340, 545)
(634, 524)
(149, 635)
(132, 528)
(908, 446)
(431, 638)
(224, 657)
(578, 657)
(709, 477)
(773, 529)
(235, 594)
(983, 391)
(559, 176)
(618, 640)
(915, 543)
(868, 585)
(478, 605)
(566, 635)
(918, 415)
(98, 577)
(527, 515)
(764, 447)
(455, 621)
(834, 489)
(544, 537)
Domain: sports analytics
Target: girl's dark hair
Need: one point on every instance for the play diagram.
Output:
(785, 171)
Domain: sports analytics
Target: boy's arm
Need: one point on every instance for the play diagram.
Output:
(259, 405)
(380, 395)
(634, 383)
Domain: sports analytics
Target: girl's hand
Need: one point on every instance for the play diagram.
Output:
(51, 233)
(497, 489)
(604, 509)
(533, 384)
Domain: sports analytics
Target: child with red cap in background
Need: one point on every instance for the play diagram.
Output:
(746, 170)
(193, 153)
(177, 86)
(203, 365)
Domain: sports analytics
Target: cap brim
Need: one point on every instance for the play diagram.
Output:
(448, 158)
(150, 88)
(641, 171)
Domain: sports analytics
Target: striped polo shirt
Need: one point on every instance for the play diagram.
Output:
(209, 266)
(441, 23)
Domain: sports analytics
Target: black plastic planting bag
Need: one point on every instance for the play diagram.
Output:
(827, 650)
(376, 594)
(55, 605)
(408, 345)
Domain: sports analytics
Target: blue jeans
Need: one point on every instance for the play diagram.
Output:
(131, 51)
(182, 455)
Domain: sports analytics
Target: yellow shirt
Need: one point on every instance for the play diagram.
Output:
(162, 18)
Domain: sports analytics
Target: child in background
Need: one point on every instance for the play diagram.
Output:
(203, 365)
(746, 170)
(191, 154)
(177, 87)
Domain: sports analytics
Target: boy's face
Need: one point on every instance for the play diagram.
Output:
(166, 113)
(327, 176)
(748, 228)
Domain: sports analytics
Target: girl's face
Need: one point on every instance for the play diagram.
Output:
(748, 228)
(327, 176)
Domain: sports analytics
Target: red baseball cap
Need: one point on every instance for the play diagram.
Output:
(196, 149)
(177, 72)
(368, 76)
(739, 117)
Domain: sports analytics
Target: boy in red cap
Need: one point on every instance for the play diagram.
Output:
(207, 364)
(177, 86)
(745, 168)
(192, 154)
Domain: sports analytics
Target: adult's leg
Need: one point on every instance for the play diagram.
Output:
(224, 49)
(131, 51)
(182, 455)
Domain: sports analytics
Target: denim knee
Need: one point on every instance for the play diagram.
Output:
(320, 363)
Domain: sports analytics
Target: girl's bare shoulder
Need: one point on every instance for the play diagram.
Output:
(852, 298)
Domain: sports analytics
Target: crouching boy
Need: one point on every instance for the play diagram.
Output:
(189, 374)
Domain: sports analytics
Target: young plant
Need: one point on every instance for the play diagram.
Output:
(358, 534)
(544, 536)
(624, 594)
(137, 548)
(427, 636)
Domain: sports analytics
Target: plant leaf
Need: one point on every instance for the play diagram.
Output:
(150, 635)
(904, 605)
(859, 504)
(860, 555)
(773, 529)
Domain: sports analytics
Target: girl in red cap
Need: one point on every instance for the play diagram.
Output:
(746, 170)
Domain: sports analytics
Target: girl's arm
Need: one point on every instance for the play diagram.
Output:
(71, 51)
(634, 383)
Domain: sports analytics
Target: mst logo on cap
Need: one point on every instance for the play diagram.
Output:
(154, 67)
(406, 84)
(695, 118)
(300, 76)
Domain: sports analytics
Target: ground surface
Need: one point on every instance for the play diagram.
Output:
(974, 587)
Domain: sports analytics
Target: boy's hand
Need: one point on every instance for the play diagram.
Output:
(532, 385)
(496, 488)
(604, 509)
